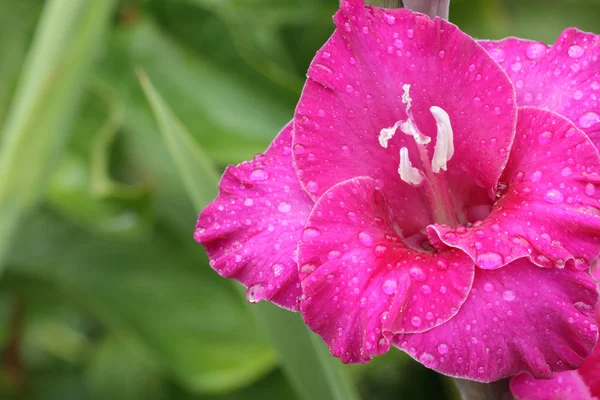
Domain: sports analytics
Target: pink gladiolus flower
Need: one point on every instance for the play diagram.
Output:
(583, 384)
(417, 200)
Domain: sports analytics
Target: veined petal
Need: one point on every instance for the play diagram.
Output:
(362, 284)
(520, 318)
(564, 386)
(564, 77)
(549, 208)
(250, 231)
(356, 88)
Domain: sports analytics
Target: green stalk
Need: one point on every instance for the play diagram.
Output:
(310, 369)
(45, 103)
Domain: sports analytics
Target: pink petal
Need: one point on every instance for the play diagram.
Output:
(250, 231)
(590, 370)
(549, 211)
(564, 386)
(520, 318)
(355, 89)
(362, 284)
(564, 78)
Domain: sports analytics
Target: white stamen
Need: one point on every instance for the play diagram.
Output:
(444, 146)
(410, 128)
(408, 173)
(406, 96)
(386, 134)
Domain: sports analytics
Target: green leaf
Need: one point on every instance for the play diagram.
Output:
(83, 188)
(304, 357)
(198, 173)
(154, 293)
(45, 103)
(120, 371)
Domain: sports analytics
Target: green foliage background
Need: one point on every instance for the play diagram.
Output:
(104, 294)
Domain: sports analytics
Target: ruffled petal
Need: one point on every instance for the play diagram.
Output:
(355, 89)
(564, 386)
(250, 231)
(548, 208)
(564, 78)
(362, 284)
(520, 318)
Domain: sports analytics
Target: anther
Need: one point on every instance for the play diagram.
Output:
(444, 146)
(408, 173)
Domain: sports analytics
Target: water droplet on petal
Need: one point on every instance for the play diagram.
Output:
(417, 274)
(389, 286)
(390, 19)
(576, 51)
(535, 51)
(415, 321)
(589, 119)
(442, 348)
(488, 287)
(284, 207)
(312, 186)
(489, 260)
(277, 269)
(310, 233)
(566, 171)
(508, 295)
(536, 176)
(554, 196)
(248, 201)
(365, 238)
(259, 175)
(545, 137)
(380, 250)
(590, 189)
(333, 254)
(255, 293)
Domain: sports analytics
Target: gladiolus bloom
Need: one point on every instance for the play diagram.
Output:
(417, 201)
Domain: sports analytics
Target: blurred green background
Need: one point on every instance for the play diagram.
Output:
(104, 294)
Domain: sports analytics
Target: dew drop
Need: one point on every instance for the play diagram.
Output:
(442, 265)
(536, 176)
(488, 287)
(380, 250)
(390, 19)
(277, 269)
(349, 88)
(284, 207)
(535, 51)
(259, 175)
(415, 321)
(489, 260)
(312, 186)
(554, 196)
(389, 286)
(566, 171)
(310, 233)
(248, 201)
(589, 119)
(575, 51)
(417, 274)
(255, 293)
(442, 348)
(590, 189)
(545, 137)
(333, 254)
(508, 295)
(365, 238)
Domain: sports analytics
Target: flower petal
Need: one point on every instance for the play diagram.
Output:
(564, 386)
(564, 78)
(549, 209)
(520, 318)
(362, 284)
(590, 370)
(250, 231)
(355, 89)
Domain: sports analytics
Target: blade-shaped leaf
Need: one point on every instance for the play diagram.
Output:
(45, 102)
